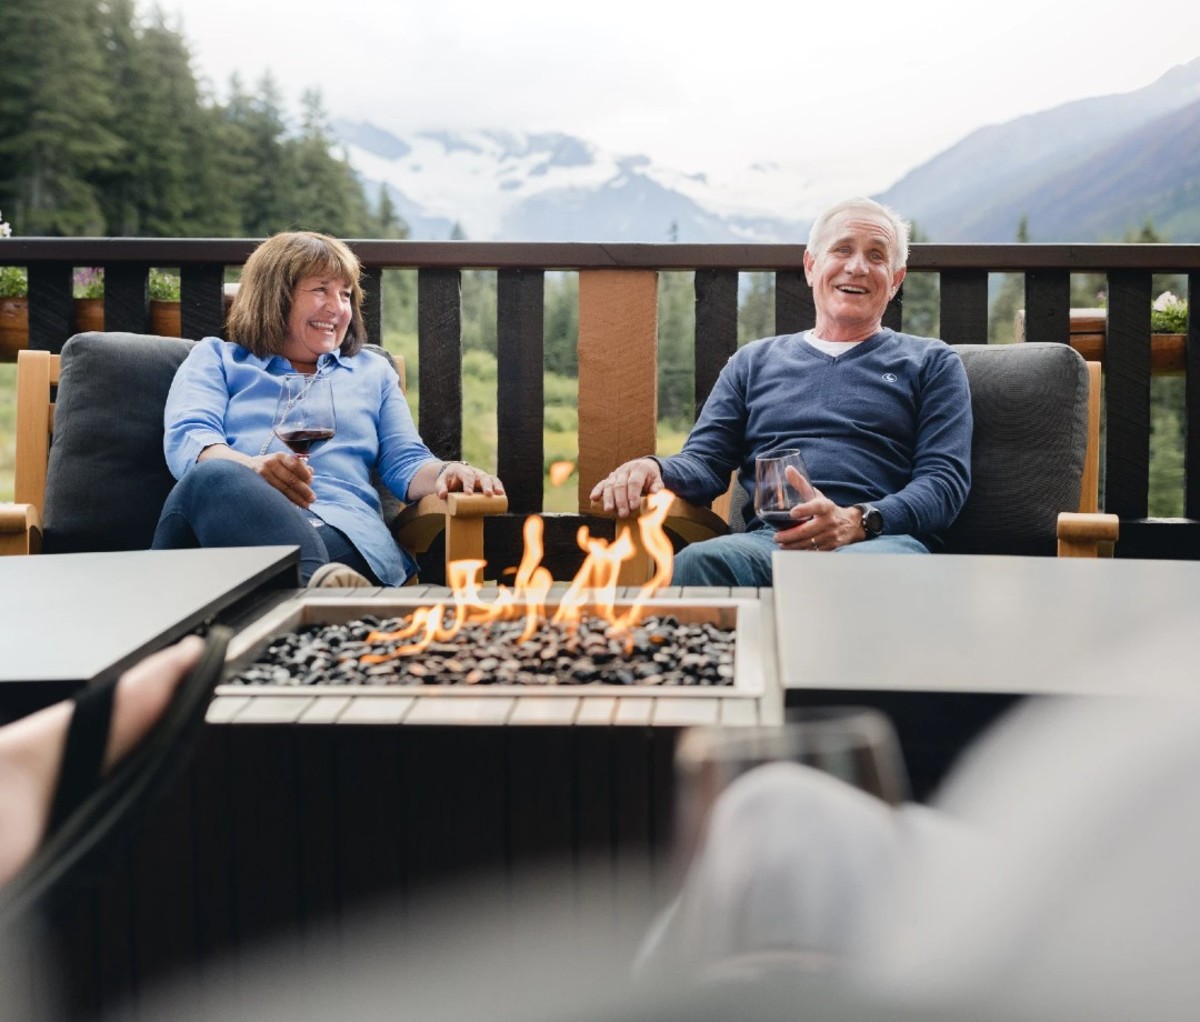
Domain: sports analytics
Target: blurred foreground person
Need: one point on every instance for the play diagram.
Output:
(1053, 880)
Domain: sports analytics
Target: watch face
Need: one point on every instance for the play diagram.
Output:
(872, 521)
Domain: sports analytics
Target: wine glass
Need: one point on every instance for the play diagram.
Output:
(775, 494)
(304, 415)
(856, 744)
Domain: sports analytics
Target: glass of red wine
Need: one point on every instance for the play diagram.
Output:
(304, 415)
(776, 491)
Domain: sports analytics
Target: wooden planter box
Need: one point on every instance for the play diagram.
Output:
(1089, 332)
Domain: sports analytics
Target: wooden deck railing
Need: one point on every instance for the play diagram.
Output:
(618, 331)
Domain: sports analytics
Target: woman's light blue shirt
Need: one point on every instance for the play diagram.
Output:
(223, 394)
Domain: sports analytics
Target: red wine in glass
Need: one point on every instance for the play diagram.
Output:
(302, 441)
(775, 493)
(304, 414)
(779, 519)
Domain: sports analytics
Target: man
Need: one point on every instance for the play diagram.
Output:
(882, 419)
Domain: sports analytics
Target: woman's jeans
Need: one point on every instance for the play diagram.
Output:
(220, 503)
(744, 558)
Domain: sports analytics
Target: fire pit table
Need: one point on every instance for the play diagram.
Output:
(747, 693)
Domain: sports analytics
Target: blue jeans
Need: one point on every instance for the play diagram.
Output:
(744, 558)
(222, 503)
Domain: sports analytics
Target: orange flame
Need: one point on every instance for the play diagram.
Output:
(593, 589)
(560, 472)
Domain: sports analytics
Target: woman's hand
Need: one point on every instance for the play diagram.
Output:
(458, 475)
(290, 475)
(283, 470)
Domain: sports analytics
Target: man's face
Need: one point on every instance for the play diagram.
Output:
(852, 276)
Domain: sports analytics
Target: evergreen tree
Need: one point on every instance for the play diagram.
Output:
(327, 194)
(676, 348)
(756, 316)
(1009, 298)
(54, 116)
(151, 191)
(264, 177)
(922, 309)
(560, 317)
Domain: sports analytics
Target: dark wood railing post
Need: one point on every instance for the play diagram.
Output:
(1127, 394)
(520, 387)
(51, 307)
(439, 347)
(202, 300)
(716, 328)
(127, 297)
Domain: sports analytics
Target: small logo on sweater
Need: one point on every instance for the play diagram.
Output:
(889, 377)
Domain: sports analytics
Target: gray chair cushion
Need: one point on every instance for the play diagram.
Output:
(107, 477)
(1027, 453)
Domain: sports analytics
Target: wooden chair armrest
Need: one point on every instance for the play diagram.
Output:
(460, 514)
(690, 522)
(20, 529)
(693, 523)
(1087, 534)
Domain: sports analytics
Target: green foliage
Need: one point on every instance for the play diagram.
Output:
(756, 316)
(14, 282)
(88, 282)
(676, 348)
(164, 286)
(922, 308)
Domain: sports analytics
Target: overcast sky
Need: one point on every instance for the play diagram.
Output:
(699, 87)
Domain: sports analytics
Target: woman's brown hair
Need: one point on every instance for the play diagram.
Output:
(258, 318)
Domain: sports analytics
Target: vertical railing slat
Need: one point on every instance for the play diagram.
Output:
(618, 371)
(1127, 394)
(202, 300)
(439, 348)
(1191, 468)
(127, 297)
(794, 308)
(963, 298)
(520, 387)
(1048, 306)
(716, 327)
(372, 308)
(51, 307)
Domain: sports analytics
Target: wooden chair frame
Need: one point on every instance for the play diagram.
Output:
(460, 515)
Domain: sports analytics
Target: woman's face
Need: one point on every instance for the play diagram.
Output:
(320, 316)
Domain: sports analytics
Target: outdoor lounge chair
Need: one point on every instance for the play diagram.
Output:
(90, 470)
(1034, 462)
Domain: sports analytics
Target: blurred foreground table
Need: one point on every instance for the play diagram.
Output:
(70, 619)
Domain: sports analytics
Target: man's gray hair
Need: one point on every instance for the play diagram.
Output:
(871, 210)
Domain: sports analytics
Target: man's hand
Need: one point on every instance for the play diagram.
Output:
(288, 474)
(821, 524)
(623, 489)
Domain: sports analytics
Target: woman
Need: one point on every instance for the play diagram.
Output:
(298, 310)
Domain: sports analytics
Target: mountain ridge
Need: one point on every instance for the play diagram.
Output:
(1089, 170)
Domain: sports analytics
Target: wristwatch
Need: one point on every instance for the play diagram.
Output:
(872, 520)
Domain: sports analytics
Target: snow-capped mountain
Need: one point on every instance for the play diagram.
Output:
(495, 185)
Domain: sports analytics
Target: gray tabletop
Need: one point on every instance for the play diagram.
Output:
(74, 617)
(1025, 625)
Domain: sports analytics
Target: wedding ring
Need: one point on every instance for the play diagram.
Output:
(813, 541)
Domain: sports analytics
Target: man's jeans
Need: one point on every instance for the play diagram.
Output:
(221, 503)
(744, 558)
